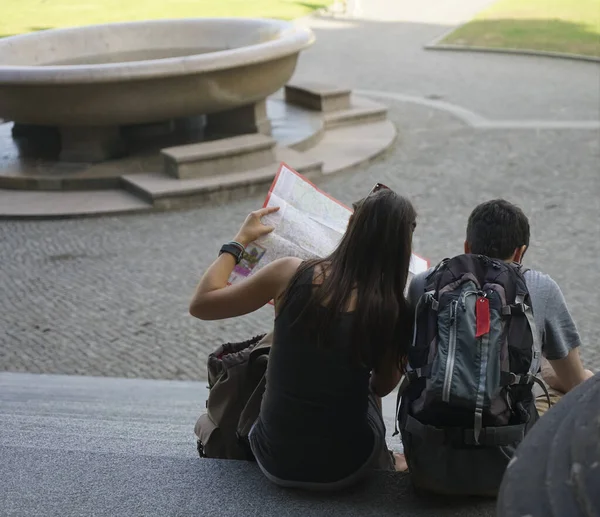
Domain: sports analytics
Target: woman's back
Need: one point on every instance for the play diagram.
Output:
(313, 423)
(320, 424)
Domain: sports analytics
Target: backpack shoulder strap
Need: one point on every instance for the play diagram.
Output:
(523, 300)
(431, 279)
(520, 269)
(536, 358)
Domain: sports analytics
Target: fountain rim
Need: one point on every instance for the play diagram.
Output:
(291, 40)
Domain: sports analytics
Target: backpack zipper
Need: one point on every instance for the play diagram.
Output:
(464, 298)
(450, 360)
(484, 343)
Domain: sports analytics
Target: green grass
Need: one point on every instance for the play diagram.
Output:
(20, 16)
(571, 26)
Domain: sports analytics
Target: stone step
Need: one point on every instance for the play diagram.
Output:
(166, 192)
(118, 447)
(294, 126)
(227, 155)
(349, 146)
(362, 111)
(317, 96)
(16, 204)
(61, 177)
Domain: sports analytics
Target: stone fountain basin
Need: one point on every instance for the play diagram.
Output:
(142, 72)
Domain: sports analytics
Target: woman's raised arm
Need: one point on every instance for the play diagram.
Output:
(214, 300)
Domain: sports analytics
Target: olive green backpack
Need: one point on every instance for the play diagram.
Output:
(236, 381)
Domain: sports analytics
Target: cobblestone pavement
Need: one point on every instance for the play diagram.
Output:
(109, 296)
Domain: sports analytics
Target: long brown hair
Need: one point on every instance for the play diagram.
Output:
(372, 261)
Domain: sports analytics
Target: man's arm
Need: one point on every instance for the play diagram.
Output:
(563, 370)
(566, 373)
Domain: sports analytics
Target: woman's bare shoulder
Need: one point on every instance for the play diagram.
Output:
(285, 268)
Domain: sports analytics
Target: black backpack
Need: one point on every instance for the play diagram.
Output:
(471, 369)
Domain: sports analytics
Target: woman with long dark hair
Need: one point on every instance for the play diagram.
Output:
(341, 335)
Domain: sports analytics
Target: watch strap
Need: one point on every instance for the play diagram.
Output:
(235, 249)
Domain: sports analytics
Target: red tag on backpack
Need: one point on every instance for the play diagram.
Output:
(482, 316)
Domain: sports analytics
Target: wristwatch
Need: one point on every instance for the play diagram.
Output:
(235, 249)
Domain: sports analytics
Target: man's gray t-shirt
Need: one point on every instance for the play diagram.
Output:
(554, 323)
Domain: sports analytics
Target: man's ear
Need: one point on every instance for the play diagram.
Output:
(519, 252)
(467, 247)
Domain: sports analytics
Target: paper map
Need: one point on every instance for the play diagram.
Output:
(309, 224)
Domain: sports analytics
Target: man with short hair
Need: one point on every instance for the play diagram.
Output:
(498, 229)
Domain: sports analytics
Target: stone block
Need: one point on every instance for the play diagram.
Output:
(228, 155)
(317, 96)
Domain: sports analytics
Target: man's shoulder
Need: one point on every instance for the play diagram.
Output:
(537, 281)
(559, 332)
(546, 296)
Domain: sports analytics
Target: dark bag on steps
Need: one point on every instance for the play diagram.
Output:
(236, 381)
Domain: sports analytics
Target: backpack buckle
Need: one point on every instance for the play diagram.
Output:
(526, 379)
(519, 308)
(512, 378)
(412, 376)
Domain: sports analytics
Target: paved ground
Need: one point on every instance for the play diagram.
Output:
(384, 50)
(109, 296)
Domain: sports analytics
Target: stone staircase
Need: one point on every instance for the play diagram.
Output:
(241, 165)
(73, 446)
(163, 192)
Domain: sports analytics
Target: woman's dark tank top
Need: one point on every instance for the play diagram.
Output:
(313, 420)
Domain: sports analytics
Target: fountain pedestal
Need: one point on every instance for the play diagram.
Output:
(91, 144)
(251, 118)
